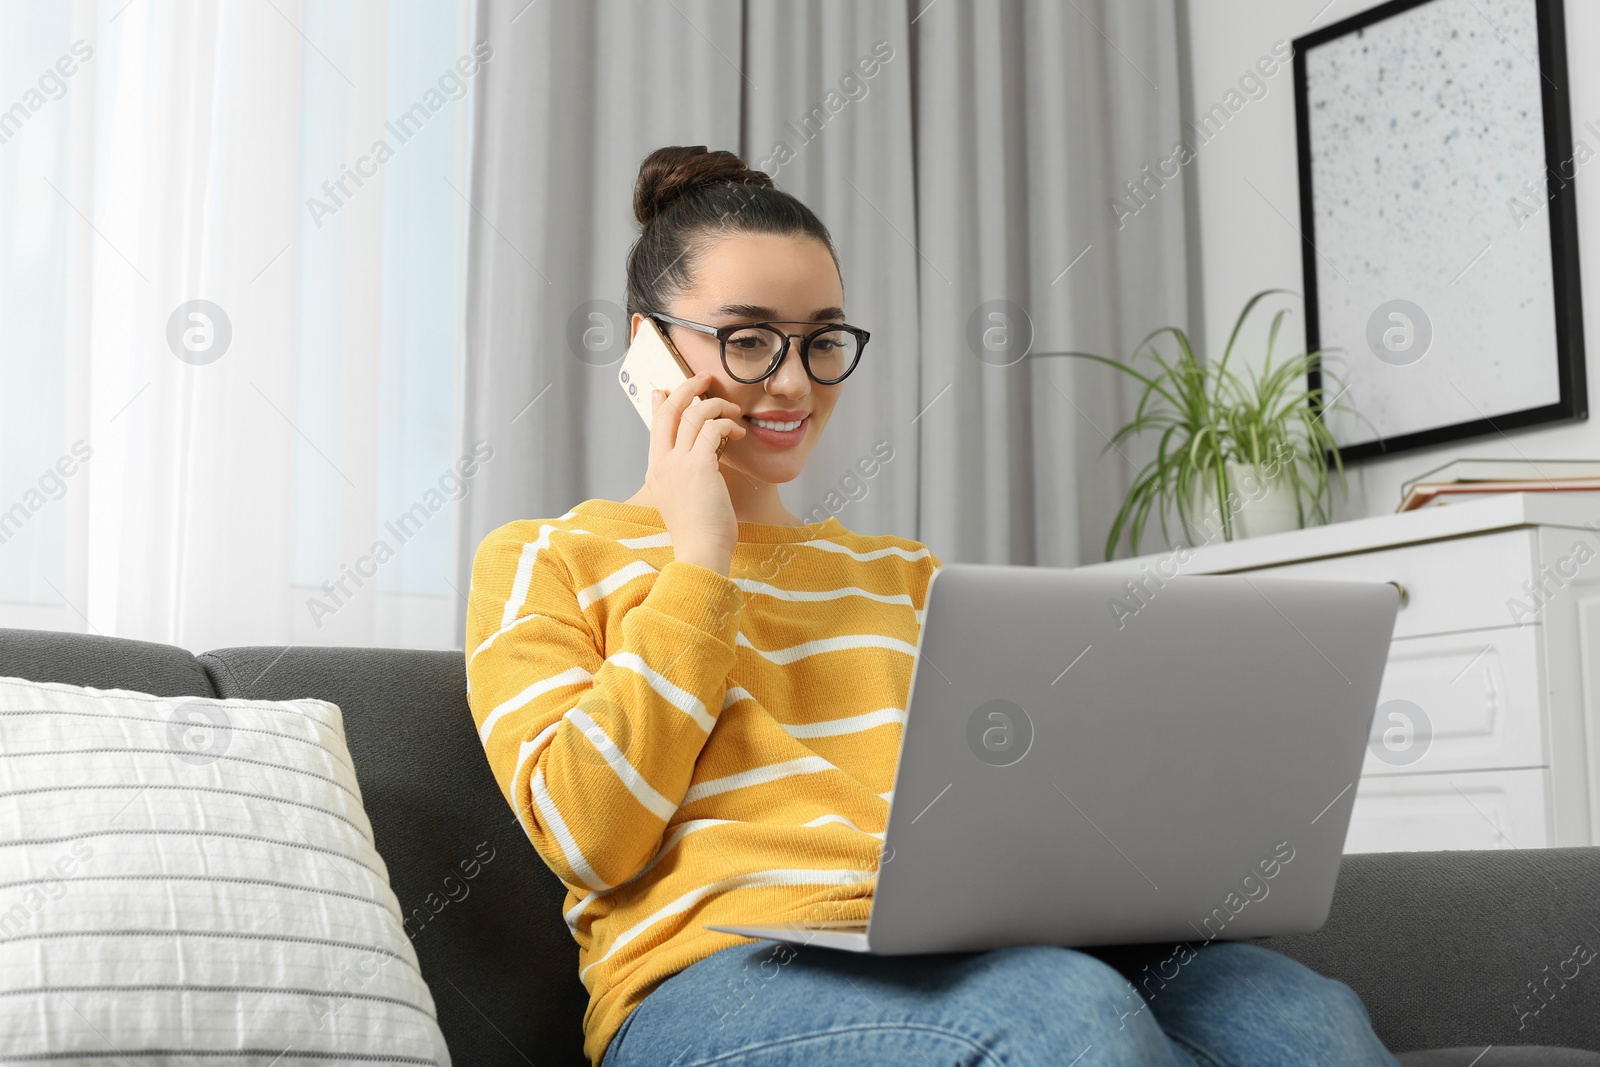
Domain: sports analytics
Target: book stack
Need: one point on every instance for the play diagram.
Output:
(1479, 479)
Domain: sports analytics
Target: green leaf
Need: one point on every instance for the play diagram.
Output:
(1207, 415)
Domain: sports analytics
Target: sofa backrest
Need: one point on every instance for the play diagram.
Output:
(482, 910)
(102, 663)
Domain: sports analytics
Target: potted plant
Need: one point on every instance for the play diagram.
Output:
(1262, 434)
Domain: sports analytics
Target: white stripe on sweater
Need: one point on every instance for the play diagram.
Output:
(558, 829)
(757, 776)
(487, 641)
(530, 554)
(679, 832)
(524, 576)
(681, 699)
(642, 791)
(865, 557)
(527, 750)
(824, 820)
(630, 776)
(783, 656)
(570, 676)
(733, 695)
(754, 879)
(749, 585)
(659, 540)
(656, 540)
(853, 724)
(612, 582)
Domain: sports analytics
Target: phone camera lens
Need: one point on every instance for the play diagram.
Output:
(632, 390)
(624, 375)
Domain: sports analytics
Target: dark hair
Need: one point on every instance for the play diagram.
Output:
(684, 196)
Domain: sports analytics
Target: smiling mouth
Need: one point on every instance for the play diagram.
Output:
(780, 427)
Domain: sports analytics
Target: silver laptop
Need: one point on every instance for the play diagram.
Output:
(1089, 762)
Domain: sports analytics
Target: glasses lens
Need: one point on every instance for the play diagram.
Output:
(750, 351)
(833, 354)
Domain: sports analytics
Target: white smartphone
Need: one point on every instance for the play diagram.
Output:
(651, 363)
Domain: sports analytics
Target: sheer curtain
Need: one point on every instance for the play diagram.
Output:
(246, 454)
(965, 157)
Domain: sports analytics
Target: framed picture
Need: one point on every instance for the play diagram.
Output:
(1440, 235)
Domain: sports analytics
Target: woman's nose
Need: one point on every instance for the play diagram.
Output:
(790, 378)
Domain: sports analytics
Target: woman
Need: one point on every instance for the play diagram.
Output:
(693, 701)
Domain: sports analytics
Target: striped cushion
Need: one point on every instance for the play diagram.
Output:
(187, 875)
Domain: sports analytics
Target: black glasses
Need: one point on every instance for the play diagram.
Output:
(753, 351)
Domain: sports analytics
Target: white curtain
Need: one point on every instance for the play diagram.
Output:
(970, 174)
(560, 133)
(237, 494)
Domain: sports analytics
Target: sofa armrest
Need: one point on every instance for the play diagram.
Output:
(1468, 947)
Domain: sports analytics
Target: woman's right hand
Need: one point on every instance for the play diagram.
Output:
(685, 473)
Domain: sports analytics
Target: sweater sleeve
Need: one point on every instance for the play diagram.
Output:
(594, 752)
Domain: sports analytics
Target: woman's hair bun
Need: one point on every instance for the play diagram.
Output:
(669, 174)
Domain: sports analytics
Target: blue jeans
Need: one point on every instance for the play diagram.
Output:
(1222, 1004)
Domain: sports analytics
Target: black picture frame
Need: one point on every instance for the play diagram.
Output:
(1560, 207)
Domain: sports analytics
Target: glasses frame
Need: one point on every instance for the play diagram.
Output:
(722, 333)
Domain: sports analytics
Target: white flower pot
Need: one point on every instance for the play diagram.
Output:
(1265, 507)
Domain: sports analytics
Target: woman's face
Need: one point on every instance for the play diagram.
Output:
(762, 277)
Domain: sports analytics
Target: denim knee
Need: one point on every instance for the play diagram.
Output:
(1293, 983)
(1069, 1002)
(1238, 1002)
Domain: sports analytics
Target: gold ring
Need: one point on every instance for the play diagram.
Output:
(721, 445)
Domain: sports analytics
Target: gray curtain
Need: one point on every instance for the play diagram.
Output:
(968, 183)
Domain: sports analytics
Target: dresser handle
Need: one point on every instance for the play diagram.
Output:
(1404, 596)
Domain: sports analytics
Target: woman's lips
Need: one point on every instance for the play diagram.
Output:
(779, 438)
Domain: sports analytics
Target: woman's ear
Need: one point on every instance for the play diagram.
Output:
(633, 326)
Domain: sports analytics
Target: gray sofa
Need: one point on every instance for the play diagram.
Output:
(1451, 951)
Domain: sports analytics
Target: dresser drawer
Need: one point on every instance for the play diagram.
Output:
(1460, 702)
(1424, 812)
(1458, 584)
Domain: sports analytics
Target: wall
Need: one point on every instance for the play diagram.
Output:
(1249, 208)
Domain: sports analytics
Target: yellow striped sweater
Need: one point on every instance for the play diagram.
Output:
(685, 748)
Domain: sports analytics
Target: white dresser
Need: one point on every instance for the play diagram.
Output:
(1487, 733)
